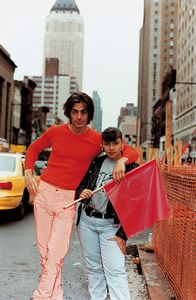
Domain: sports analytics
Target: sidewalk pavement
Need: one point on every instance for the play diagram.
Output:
(157, 286)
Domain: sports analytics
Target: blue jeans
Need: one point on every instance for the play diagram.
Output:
(105, 263)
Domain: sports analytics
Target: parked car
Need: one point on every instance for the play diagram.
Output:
(39, 166)
(13, 193)
(4, 146)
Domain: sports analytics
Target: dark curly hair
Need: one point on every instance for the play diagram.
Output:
(111, 134)
(79, 98)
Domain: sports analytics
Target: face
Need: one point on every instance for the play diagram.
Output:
(113, 149)
(79, 117)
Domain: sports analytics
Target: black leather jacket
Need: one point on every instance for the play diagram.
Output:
(89, 182)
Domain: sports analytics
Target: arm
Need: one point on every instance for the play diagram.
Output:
(84, 184)
(86, 194)
(32, 182)
(121, 243)
(121, 233)
(118, 172)
(44, 141)
(120, 238)
(33, 151)
(129, 155)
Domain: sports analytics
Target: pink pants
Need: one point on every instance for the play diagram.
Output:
(53, 232)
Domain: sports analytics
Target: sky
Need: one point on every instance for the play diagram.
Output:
(111, 46)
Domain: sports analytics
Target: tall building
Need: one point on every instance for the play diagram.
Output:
(157, 54)
(64, 35)
(97, 120)
(52, 91)
(22, 112)
(127, 122)
(63, 60)
(186, 73)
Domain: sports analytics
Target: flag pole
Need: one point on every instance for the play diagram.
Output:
(76, 201)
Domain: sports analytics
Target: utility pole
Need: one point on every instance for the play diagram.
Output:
(168, 132)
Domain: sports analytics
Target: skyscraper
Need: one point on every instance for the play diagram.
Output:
(63, 39)
(157, 55)
(127, 122)
(186, 73)
(97, 120)
(63, 59)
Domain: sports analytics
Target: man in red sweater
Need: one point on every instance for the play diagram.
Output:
(74, 145)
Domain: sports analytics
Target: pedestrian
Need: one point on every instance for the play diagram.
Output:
(73, 146)
(102, 238)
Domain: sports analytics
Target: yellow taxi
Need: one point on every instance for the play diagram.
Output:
(13, 193)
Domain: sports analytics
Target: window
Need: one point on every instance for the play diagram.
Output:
(172, 8)
(1, 92)
(171, 34)
(7, 108)
(7, 164)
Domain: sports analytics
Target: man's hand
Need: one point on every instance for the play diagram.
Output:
(32, 182)
(86, 194)
(118, 172)
(120, 242)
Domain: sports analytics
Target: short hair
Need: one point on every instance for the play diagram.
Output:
(79, 98)
(111, 134)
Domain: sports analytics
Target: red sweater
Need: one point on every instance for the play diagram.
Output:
(70, 156)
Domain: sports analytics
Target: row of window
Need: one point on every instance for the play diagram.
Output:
(185, 101)
(182, 107)
(185, 70)
(187, 11)
(186, 121)
(58, 26)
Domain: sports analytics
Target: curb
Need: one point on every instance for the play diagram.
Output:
(157, 285)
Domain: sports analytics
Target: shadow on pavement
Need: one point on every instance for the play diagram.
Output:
(7, 216)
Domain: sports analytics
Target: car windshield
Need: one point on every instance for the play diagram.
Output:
(7, 163)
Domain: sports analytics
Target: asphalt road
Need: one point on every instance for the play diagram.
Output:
(20, 264)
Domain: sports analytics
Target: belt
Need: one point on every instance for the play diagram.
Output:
(91, 212)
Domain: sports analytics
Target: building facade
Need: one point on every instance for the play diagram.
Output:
(186, 73)
(51, 92)
(157, 54)
(7, 68)
(127, 122)
(97, 120)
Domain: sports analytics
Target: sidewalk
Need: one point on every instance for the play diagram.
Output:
(137, 282)
(157, 285)
(151, 283)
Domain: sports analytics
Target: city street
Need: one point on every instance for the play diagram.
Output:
(20, 265)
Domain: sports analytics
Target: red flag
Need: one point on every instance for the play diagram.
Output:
(139, 200)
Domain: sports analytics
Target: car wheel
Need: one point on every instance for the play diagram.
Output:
(20, 211)
(26, 200)
(24, 205)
